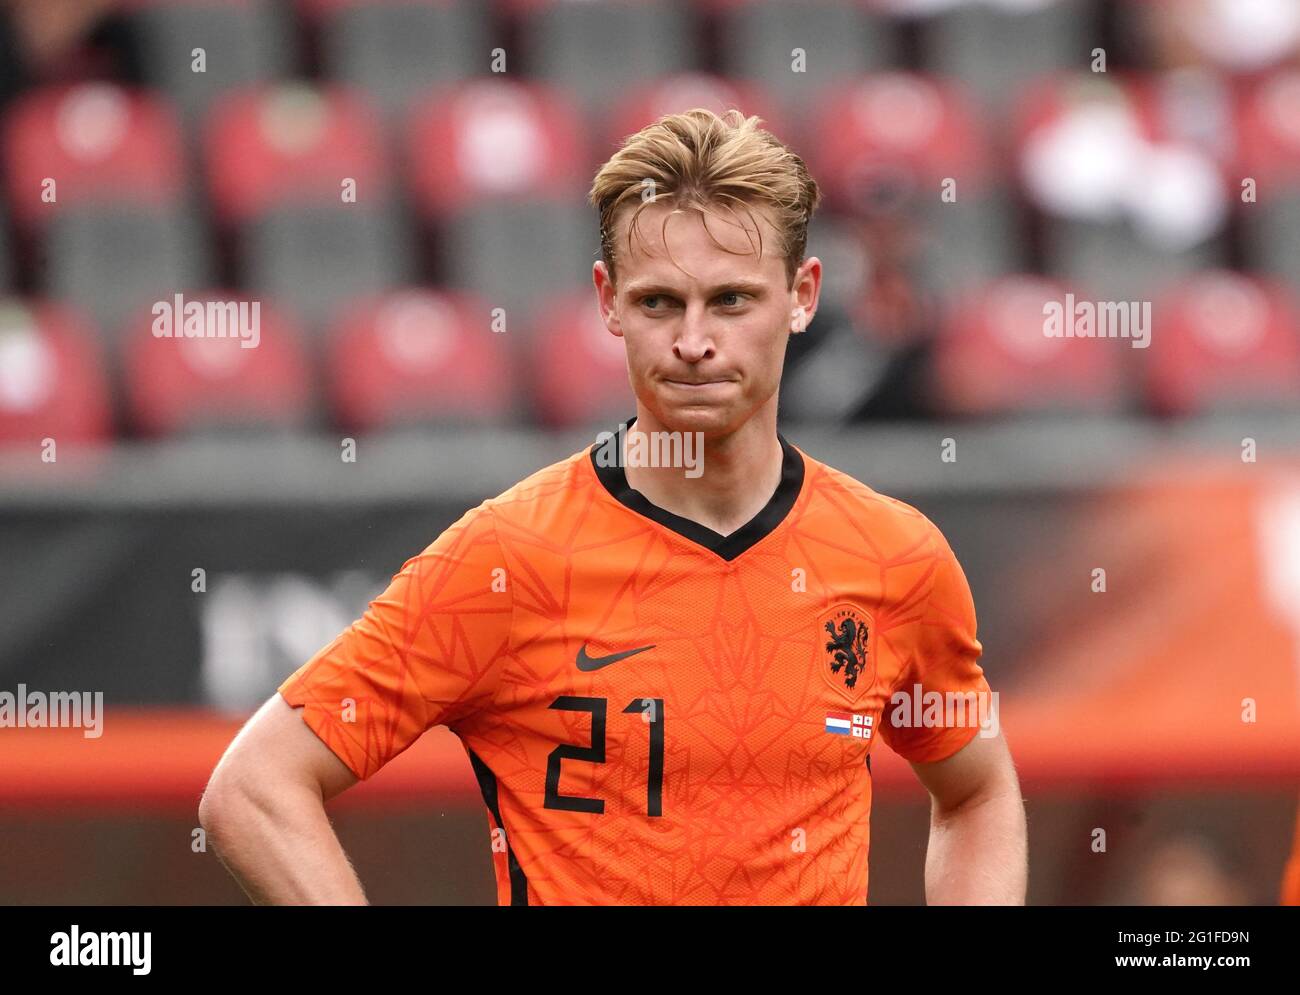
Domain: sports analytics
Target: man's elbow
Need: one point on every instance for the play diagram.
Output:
(222, 799)
(213, 805)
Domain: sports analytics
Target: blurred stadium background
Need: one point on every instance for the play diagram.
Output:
(400, 186)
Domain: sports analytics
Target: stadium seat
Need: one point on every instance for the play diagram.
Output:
(1270, 155)
(885, 146)
(419, 356)
(210, 379)
(273, 147)
(301, 178)
(95, 143)
(1224, 341)
(1128, 202)
(674, 94)
(494, 138)
(110, 261)
(840, 40)
(316, 260)
(513, 254)
(600, 47)
(497, 168)
(395, 50)
(579, 370)
(993, 356)
(243, 42)
(995, 50)
(52, 382)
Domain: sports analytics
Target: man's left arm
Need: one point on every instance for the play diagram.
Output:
(978, 852)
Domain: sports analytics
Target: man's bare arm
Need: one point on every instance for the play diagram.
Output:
(978, 852)
(264, 813)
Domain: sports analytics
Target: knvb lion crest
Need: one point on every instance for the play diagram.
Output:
(848, 665)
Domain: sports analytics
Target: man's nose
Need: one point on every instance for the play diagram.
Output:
(694, 340)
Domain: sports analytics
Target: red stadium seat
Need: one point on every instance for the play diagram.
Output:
(1269, 130)
(280, 161)
(419, 356)
(579, 370)
(993, 356)
(210, 378)
(292, 145)
(52, 381)
(674, 94)
(498, 169)
(884, 146)
(98, 142)
(1224, 340)
(495, 139)
(897, 128)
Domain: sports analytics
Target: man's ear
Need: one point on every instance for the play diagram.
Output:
(807, 285)
(606, 297)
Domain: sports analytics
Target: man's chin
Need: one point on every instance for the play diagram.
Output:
(707, 416)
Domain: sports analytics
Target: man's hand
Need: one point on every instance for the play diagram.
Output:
(978, 853)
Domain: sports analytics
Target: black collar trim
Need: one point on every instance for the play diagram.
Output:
(772, 514)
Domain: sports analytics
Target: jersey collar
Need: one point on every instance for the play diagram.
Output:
(728, 547)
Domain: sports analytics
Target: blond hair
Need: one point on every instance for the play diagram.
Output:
(700, 160)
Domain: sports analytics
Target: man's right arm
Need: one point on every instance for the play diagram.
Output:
(264, 813)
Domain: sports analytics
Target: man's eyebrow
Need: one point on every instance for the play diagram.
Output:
(649, 287)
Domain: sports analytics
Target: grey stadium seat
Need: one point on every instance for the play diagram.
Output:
(517, 253)
(1273, 236)
(995, 52)
(601, 48)
(970, 241)
(839, 39)
(1114, 262)
(244, 43)
(112, 262)
(396, 52)
(314, 261)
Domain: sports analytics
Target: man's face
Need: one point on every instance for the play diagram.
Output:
(706, 329)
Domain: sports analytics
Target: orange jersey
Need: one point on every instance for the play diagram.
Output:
(656, 713)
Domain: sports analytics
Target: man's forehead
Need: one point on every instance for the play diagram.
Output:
(733, 230)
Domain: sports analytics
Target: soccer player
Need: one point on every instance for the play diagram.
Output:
(669, 679)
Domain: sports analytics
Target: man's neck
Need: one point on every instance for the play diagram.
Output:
(741, 472)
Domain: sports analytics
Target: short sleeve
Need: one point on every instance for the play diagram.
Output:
(427, 651)
(953, 694)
